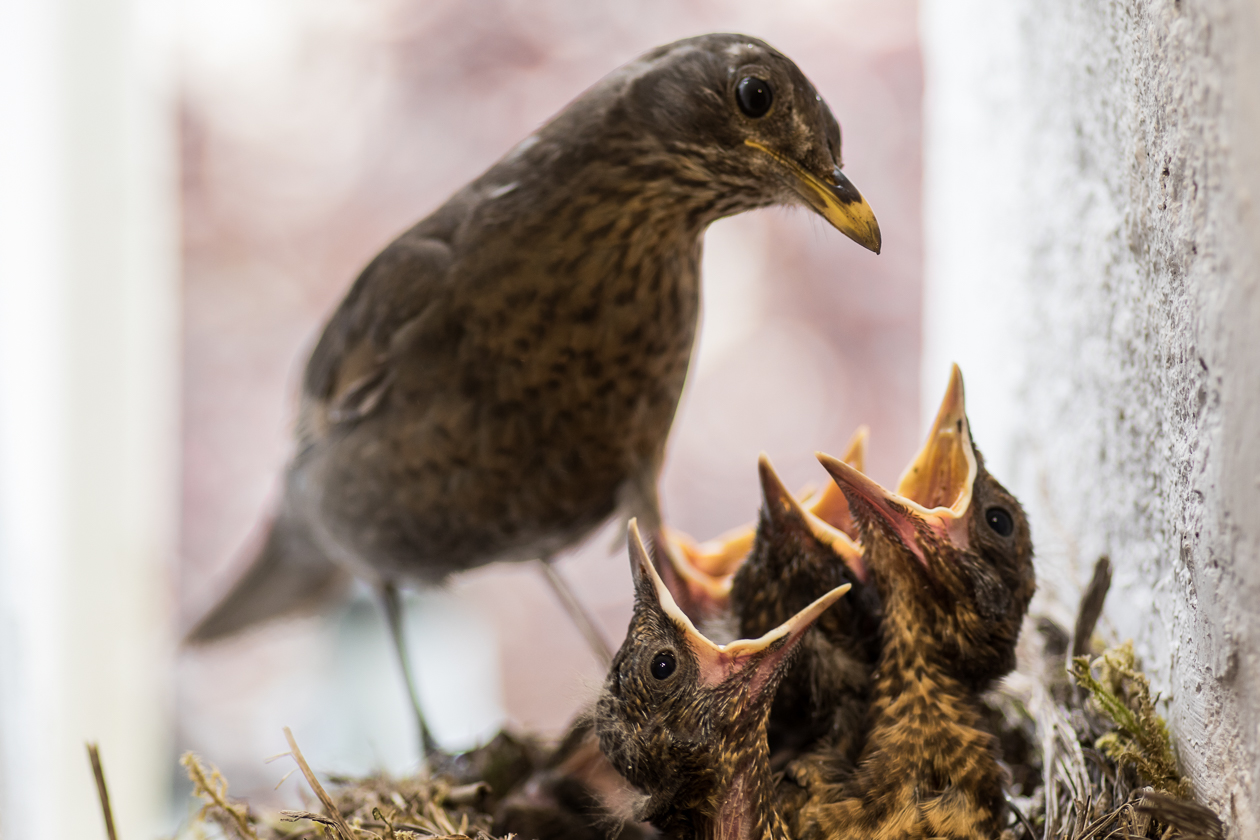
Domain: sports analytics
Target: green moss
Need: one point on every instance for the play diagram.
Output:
(1140, 739)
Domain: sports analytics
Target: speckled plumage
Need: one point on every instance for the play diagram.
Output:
(826, 691)
(694, 741)
(954, 591)
(502, 377)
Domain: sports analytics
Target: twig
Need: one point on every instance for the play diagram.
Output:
(214, 790)
(1010, 803)
(94, 753)
(1190, 818)
(1091, 607)
(343, 828)
(389, 826)
(295, 816)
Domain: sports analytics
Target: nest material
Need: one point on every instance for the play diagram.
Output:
(454, 805)
(1089, 759)
(1100, 763)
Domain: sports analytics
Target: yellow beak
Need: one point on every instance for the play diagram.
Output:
(838, 202)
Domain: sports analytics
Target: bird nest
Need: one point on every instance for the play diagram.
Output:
(456, 804)
(1089, 758)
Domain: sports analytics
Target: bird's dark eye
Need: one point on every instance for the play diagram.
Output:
(754, 96)
(663, 664)
(1000, 521)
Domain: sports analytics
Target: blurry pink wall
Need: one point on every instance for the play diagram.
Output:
(330, 126)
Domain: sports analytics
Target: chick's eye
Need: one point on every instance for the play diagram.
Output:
(1000, 521)
(663, 664)
(754, 96)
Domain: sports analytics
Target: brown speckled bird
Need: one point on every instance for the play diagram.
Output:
(795, 558)
(684, 719)
(954, 571)
(501, 379)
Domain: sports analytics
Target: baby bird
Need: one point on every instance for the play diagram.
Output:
(684, 719)
(579, 796)
(795, 557)
(951, 556)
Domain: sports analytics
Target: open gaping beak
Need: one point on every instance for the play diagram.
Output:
(901, 517)
(711, 564)
(935, 490)
(942, 474)
(782, 505)
(719, 557)
(703, 595)
(718, 663)
(834, 198)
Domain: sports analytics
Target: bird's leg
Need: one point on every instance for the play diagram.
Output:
(394, 617)
(585, 625)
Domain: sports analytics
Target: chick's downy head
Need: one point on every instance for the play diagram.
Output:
(951, 550)
(680, 716)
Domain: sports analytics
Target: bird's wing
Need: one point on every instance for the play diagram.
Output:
(352, 367)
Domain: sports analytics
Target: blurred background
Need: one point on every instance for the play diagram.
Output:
(191, 189)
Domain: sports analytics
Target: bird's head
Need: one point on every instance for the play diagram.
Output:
(795, 556)
(737, 120)
(680, 714)
(951, 550)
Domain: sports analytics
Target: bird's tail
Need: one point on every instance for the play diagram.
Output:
(291, 574)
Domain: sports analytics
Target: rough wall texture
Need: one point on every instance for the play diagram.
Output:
(1093, 265)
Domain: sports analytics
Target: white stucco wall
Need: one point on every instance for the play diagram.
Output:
(1093, 263)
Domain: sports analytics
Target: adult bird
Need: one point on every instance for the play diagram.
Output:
(501, 379)
(951, 556)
